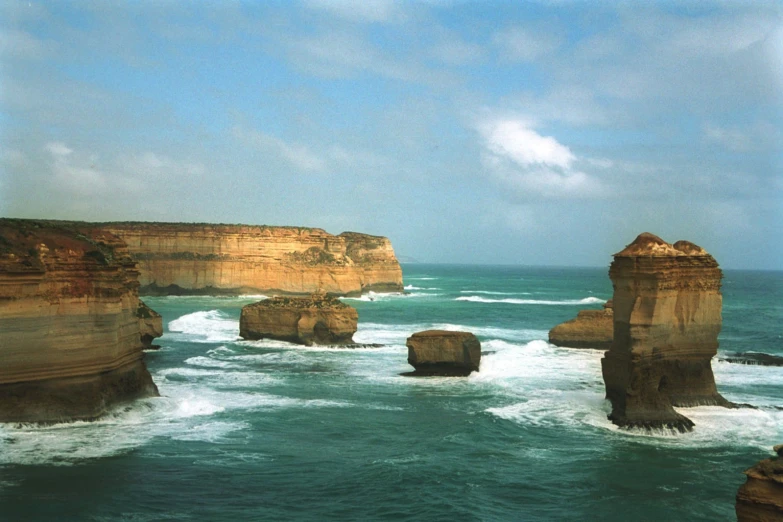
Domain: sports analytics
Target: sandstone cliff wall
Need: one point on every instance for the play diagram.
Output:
(667, 316)
(70, 341)
(178, 258)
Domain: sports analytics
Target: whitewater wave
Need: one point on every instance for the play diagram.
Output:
(373, 296)
(489, 292)
(206, 327)
(411, 287)
(479, 299)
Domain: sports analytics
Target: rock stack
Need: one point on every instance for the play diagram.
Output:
(590, 329)
(760, 498)
(70, 337)
(667, 316)
(443, 353)
(318, 319)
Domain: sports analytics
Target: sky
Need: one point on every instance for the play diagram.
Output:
(496, 132)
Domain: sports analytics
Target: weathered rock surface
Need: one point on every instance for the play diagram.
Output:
(667, 316)
(760, 498)
(590, 329)
(318, 319)
(443, 353)
(150, 325)
(70, 339)
(181, 258)
(754, 358)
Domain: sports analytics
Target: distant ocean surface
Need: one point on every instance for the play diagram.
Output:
(270, 431)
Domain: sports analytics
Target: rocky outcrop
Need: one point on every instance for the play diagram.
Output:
(760, 498)
(753, 358)
(443, 353)
(150, 325)
(590, 329)
(180, 258)
(318, 319)
(70, 340)
(667, 316)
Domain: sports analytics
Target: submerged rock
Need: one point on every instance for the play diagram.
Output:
(590, 329)
(443, 353)
(667, 316)
(318, 319)
(757, 358)
(760, 498)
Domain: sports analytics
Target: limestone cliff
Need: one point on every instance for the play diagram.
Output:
(667, 316)
(318, 319)
(179, 258)
(590, 329)
(70, 340)
(760, 498)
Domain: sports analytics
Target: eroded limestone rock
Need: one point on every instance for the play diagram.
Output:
(70, 339)
(443, 353)
(318, 319)
(150, 325)
(590, 329)
(760, 498)
(667, 316)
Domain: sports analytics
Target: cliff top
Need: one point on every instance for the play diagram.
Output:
(321, 301)
(26, 243)
(650, 245)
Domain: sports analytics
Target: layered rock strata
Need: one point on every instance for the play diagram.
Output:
(179, 258)
(443, 353)
(150, 325)
(760, 498)
(590, 329)
(667, 316)
(70, 338)
(318, 319)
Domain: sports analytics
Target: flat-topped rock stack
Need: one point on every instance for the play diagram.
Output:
(150, 325)
(443, 353)
(70, 335)
(667, 316)
(590, 329)
(760, 498)
(318, 319)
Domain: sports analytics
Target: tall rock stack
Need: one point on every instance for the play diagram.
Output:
(667, 316)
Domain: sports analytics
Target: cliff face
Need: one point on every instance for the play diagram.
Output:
(178, 258)
(590, 329)
(760, 499)
(70, 341)
(667, 316)
(319, 319)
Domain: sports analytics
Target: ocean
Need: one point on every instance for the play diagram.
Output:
(264, 430)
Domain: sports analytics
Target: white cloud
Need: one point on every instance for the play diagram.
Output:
(514, 140)
(296, 154)
(58, 149)
(525, 45)
(531, 164)
(360, 10)
(744, 138)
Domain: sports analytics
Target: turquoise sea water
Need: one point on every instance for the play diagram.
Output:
(270, 431)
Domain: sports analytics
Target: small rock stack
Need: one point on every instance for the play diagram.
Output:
(318, 319)
(760, 498)
(443, 353)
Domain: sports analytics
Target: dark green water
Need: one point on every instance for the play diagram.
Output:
(270, 431)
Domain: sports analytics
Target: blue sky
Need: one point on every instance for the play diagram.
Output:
(544, 133)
